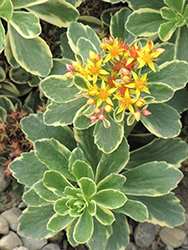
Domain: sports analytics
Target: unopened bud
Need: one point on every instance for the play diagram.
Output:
(125, 72)
(140, 103)
(103, 46)
(97, 110)
(101, 117)
(90, 101)
(94, 118)
(108, 108)
(137, 115)
(126, 79)
(69, 67)
(145, 112)
(159, 50)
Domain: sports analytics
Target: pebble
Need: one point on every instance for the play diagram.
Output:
(172, 236)
(144, 234)
(51, 246)
(185, 243)
(4, 181)
(131, 246)
(12, 216)
(10, 241)
(33, 244)
(20, 248)
(4, 227)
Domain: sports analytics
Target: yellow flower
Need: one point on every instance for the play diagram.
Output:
(146, 55)
(125, 102)
(95, 70)
(114, 50)
(92, 90)
(104, 94)
(139, 84)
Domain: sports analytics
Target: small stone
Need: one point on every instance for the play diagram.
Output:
(172, 236)
(4, 227)
(57, 238)
(144, 234)
(185, 243)
(154, 245)
(22, 205)
(10, 241)
(168, 247)
(12, 215)
(20, 248)
(4, 181)
(33, 244)
(51, 246)
(131, 246)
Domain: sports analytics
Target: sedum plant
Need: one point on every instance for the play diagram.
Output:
(113, 84)
(91, 194)
(167, 19)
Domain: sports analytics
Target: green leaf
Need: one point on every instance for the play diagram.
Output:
(84, 46)
(8, 51)
(45, 193)
(82, 121)
(19, 75)
(54, 155)
(109, 198)
(84, 228)
(35, 129)
(100, 236)
(161, 92)
(168, 55)
(144, 22)
(164, 210)
(59, 66)
(152, 178)
(26, 24)
(176, 70)
(104, 216)
(87, 186)
(6, 10)
(36, 63)
(25, 167)
(153, 4)
(77, 30)
(58, 222)
(163, 122)
(70, 231)
(62, 114)
(179, 100)
(114, 162)
(173, 151)
(3, 114)
(85, 141)
(80, 82)
(167, 13)
(76, 154)
(166, 30)
(33, 222)
(58, 13)
(120, 237)
(25, 3)
(117, 25)
(82, 169)
(7, 104)
(2, 37)
(62, 92)
(60, 206)
(33, 199)
(176, 5)
(55, 182)
(134, 209)
(107, 140)
(181, 43)
(114, 181)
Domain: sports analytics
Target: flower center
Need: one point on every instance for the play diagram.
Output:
(94, 70)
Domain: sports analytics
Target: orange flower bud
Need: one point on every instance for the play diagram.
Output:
(108, 108)
(126, 79)
(101, 117)
(140, 103)
(137, 115)
(103, 46)
(125, 72)
(97, 110)
(94, 118)
(90, 101)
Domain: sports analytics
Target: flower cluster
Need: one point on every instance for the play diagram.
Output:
(114, 79)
